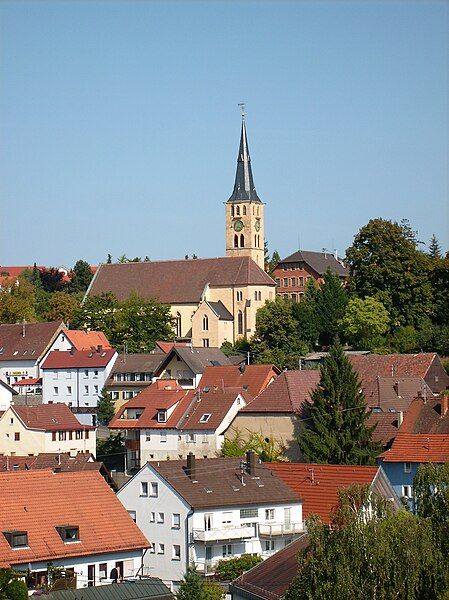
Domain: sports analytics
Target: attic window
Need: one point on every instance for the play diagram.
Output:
(16, 539)
(205, 418)
(161, 416)
(69, 533)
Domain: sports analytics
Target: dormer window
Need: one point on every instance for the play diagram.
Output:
(162, 416)
(69, 533)
(16, 539)
(205, 418)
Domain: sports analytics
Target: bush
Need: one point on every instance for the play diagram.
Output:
(230, 569)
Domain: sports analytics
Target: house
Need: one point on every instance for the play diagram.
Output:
(150, 588)
(23, 347)
(270, 579)
(26, 387)
(186, 364)
(130, 374)
(45, 428)
(77, 377)
(165, 421)
(430, 415)
(408, 451)
(203, 510)
(83, 339)
(7, 394)
(292, 273)
(318, 485)
(66, 525)
(248, 378)
(277, 410)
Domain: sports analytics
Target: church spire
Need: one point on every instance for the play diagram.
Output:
(244, 189)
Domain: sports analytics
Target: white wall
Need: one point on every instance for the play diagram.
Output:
(5, 398)
(12, 371)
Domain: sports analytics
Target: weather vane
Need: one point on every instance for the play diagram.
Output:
(242, 108)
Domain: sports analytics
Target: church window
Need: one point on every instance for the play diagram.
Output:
(242, 240)
(255, 240)
(178, 324)
(240, 323)
(255, 295)
(237, 210)
(239, 296)
(205, 323)
(244, 210)
(236, 241)
(259, 294)
(232, 210)
(257, 211)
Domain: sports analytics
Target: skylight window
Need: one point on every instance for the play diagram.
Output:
(161, 416)
(69, 533)
(205, 418)
(16, 539)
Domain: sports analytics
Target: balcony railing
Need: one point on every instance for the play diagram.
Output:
(279, 529)
(225, 533)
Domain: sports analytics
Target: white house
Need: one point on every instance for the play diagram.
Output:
(69, 524)
(6, 395)
(201, 511)
(76, 377)
(166, 421)
(45, 428)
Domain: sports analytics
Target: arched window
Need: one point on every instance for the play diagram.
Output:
(255, 240)
(178, 324)
(242, 240)
(255, 295)
(260, 295)
(244, 210)
(257, 211)
(205, 323)
(240, 323)
(237, 210)
(236, 241)
(232, 210)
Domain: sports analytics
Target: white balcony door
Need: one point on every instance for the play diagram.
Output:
(208, 517)
(287, 518)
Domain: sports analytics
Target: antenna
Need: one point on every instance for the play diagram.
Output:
(242, 109)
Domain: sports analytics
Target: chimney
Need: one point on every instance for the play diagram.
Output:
(99, 348)
(400, 418)
(444, 404)
(191, 466)
(251, 463)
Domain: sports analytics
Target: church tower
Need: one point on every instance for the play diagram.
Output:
(244, 210)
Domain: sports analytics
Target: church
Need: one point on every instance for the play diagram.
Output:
(212, 300)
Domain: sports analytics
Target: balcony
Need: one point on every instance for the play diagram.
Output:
(280, 529)
(225, 533)
(132, 444)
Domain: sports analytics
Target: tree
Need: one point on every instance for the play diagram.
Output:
(330, 305)
(109, 259)
(105, 407)
(17, 301)
(439, 278)
(52, 279)
(267, 449)
(405, 339)
(81, 276)
(62, 307)
(364, 321)
(231, 568)
(434, 248)
(191, 587)
(305, 315)
(11, 586)
(336, 430)
(41, 296)
(98, 313)
(431, 500)
(385, 263)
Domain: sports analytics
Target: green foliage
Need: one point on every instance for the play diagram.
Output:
(81, 276)
(212, 591)
(105, 407)
(17, 302)
(97, 313)
(405, 339)
(439, 278)
(62, 307)
(434, 248)
(114, 444)
(241, 346)
(267, 449)
(11, 587)
(305, 314)
(230, 569)
(431, 500)
(336, 431)
(193, 587)
(364, 321)
(330, 305)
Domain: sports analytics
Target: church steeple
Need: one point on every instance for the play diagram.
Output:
(244, 188)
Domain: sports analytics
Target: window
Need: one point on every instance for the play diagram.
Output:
(240, 322)
(148, 437)
(293, 281)
(86, 373)
(53, 436)
(62, 436)
(205, 418)
(152, 517)
(277, 281)
(269, 545)
(269, 514)
(95, 389)
(161, 548)
(191, 438)
(301, 282)
(205, 342)
(144, 488)
(244, 210)
(163, 437)
(204, 440)
(17, 436)
(161, 416)
(226, 518)
(56, 390)
(242, 240)
(239, 296)
(86, 390)
(285, 281)
(68, 374)
(55, 374)
(176, 521)
(232, 210)
(237, 210)
(16, 539)
(69, 533)
(86, 434)
(227, 550)
(205, 323)
(95, 374)
(178, 324)
(103, 570)
(407, 467)
(255, 295)
(78, 435)
(407, 491)
(160, 517)
(69, 390)
(236, 241)
(248, 513)
(133, 515)
(154, 489)
(259, 296)
(115, 395)
(176, 553)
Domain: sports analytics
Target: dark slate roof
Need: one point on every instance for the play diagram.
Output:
(176, 281)
(137, 363)
(319, 261)
(27, 341)
(244, 188)
(271, 578)
(218, 483)
(196, 358)
(150, 588)
(221, 311)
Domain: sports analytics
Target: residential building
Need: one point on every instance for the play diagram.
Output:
(26, 387)
(293, 273)
(150, 588)
(408, 451)
(23, 347)
(186, 364)
(241, 377)
(77, 377)
(45, 428)
(166, 421)
(68, 521)
(201, 511)
(81, 339)
(7, 394)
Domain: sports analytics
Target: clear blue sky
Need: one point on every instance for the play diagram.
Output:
(120, 126)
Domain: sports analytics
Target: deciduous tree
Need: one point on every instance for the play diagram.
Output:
(364, 321)
(62, 307)
(105, 407)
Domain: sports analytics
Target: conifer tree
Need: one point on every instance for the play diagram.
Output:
(336, 432)
(434, 247)
(330, 306)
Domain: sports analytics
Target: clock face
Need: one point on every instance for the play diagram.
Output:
(257, 225)
(238, 225)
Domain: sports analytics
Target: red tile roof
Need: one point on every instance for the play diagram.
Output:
(430, 416)
(318, 484)
(35, 381)
(49, 417)
(79, 359)
(176, 281)
(253, 378)
(16, 346)
(418, 448)
(50, 460)
(216, 404)
(386, 427)
(287, 394)
(39, 501)
(86, 340)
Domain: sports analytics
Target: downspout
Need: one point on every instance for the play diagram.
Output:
(189, 514)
